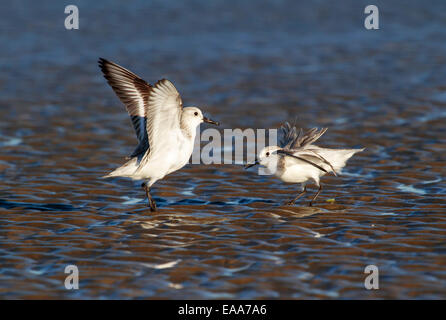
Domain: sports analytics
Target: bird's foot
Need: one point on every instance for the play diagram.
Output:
(289, 203)
(152, 205)
(151, 202)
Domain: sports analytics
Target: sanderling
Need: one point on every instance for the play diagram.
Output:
(298, 160)
(165, 130)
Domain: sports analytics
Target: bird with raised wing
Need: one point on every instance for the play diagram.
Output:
(298, 160)
(165, 130)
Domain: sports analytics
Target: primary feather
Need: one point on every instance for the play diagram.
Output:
(299, 144)
(133, 92)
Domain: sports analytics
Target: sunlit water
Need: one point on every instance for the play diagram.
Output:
(221, 231)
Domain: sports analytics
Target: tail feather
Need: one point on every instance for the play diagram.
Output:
(126, 170)
(346, 156)
(338, 157)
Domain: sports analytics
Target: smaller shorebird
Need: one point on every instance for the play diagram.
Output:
(165, 130)
(298, 160)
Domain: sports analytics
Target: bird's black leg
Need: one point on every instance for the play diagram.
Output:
(316, 195)
(152, 203)
(291, 202)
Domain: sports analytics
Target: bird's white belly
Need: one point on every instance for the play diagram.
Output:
(180, 157)
(168, 160)
(298, 173)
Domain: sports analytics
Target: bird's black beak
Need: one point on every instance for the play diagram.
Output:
(211, 121)
(256, 162)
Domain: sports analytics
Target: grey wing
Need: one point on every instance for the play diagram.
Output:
(297, 144)
(307, 138)
(288, 135)
(294, 139)
(133, 92)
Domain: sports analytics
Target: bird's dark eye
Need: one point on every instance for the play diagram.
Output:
(267, 154)
(195, 113)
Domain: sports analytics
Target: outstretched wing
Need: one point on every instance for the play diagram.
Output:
(293, 139)
(297, 144)
(133, 92)
(289, 134)
(164, 107)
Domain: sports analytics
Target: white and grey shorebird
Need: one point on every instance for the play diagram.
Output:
(298, 160)
(165, 130)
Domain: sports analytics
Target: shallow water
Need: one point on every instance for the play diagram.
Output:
(221, 231)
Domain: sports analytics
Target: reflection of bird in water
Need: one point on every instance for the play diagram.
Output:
(298, 160)
(299, 212)
(165, 130)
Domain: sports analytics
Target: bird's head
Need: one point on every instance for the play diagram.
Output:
(266, 157)
(194, 116)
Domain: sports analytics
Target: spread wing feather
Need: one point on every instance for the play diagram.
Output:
(164, 107)
(133, 92)
(293, 139)
(297, 144)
